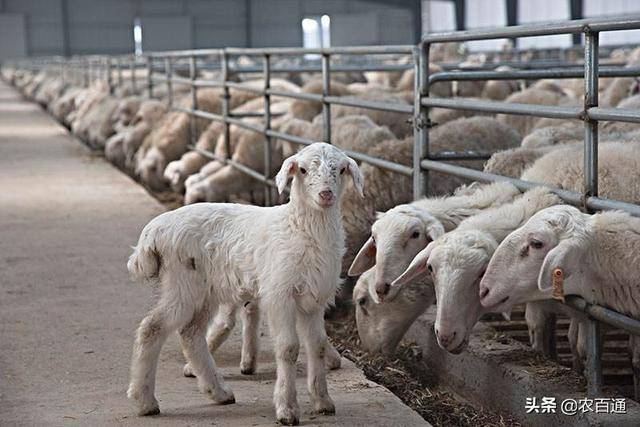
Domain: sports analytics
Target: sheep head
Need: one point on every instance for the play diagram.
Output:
(396, 238)
(456, 262)
(319, 172)
(521, 268)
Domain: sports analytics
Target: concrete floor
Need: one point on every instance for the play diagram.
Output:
(68, 310)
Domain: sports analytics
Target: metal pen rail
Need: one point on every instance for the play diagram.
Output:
(87, 70)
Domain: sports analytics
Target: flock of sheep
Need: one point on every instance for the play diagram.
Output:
(474, 248)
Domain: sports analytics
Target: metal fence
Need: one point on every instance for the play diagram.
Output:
(161, 67)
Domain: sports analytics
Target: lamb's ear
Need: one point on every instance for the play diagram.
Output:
(434, 230)
(365, 259)
(417, 266)
(559, 257)
(289, 167)
(356, 175)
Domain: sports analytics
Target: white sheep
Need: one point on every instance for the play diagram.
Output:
(596, 257)
(396, 238)
(287, 257)
(457, 260)
(524, 124)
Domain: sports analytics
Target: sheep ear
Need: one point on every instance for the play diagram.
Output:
(557, 258)
(417, 266)
(356, 175)
(365, 259)
(434, 230)
(289, 167)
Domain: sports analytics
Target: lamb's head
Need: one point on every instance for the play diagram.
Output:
(126, 111)
(173, 175)
(382, 326)
(522, 267)
(151, 168)
(396, 238)
(456, 262)
(319, 172)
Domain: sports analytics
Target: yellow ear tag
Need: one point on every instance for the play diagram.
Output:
(557, 280)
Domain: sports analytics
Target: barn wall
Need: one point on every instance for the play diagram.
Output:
(56, 27)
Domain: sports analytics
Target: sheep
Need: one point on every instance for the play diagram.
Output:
(632, 103)
(356, 133)
(307, 110)
(120, 149)
(595, 257)
(475, 242)
(524, 124)
(386, 189)
(457, 260)
(295, 277)
(396, 238)
(439, 89)
(62, 107)
(552, 135)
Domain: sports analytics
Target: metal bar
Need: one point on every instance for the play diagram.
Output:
(573, 198)
(590, 126)
(168, 72)
(119, 70)
(394, 107)
(132, 70)
(550, 111)
(347, 50)
(614, 114)
(193, 72)
(326, 92)
(420, 120)
(593, 365)
(566, 73)
(109, 77)
(267, 126)
(225, 103)
(227, 161)
(150, 76)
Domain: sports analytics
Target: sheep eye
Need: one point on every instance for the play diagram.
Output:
(303, 171)
(362, 301)
(342, 170)
(536, 244)
(430, 268)
(415, 235)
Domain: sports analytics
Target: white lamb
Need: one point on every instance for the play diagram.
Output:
(396, 238)
(287, 257)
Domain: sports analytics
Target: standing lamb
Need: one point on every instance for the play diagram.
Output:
(287, 256)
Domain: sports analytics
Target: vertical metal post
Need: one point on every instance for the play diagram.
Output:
(225, 102)
(132, 70)
(193, 72)
(590, 126)
(87, 73)
(168, 72)
(267, 126)
(420, 120)
(149, 76)
(119, 68)
(593, 368)
(326, 91)
(109, 76)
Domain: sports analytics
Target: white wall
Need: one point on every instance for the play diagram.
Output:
(482, 14)
(530, 11)
(438, 16)
(13, 41)
(593, 8)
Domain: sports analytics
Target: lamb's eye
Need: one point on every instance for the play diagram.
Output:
(303, 171)
(430, 268)
(342, 170)
(536, 244)
(362, 301)
(415, 235)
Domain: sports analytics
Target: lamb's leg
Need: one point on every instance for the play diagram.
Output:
(333, 359)
(250, 315)
(541, 323)
(315, 340)
(222, 326)
(170, 314)
(282, 322)
(195, 348)
(572, 336)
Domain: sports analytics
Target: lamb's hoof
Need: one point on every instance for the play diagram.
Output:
(187, 371)
(289, 421)
(247, 370)
(229, 401)
(288, 416)
(149, 412)
(325, 407)
(334, 363)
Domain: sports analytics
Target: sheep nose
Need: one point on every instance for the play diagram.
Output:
(445, 338)
(326, 195)
(484, 292)
(382, 289)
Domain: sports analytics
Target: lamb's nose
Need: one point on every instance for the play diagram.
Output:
(326, 195)
(382, 289)
(484, 291)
